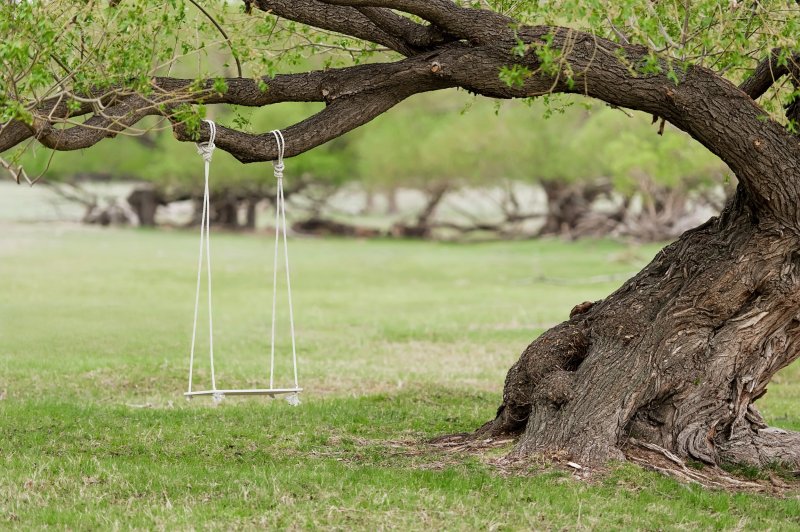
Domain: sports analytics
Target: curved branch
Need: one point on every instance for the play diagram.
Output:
(346, 111)
(768, 71)
(416, 35)
(314, 86)
(112, 121)
(760, 151)
(341, 19)
(476, 25)
(13, 133)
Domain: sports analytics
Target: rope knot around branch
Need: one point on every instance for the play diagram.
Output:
(278, 168)
(277, 164)
(206, 149)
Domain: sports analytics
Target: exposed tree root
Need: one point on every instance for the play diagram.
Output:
(645, 455)
(465, 441)
(762, 446)
(656, 458)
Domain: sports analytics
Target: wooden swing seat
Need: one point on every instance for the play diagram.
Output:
(272, 392)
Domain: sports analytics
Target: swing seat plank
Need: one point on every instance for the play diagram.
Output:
(266, 391)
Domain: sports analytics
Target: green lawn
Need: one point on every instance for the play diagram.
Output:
(398, 342)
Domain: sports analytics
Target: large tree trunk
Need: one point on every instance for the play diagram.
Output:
(225, 211)
(144, 201)
(252, 213)
(676, 357)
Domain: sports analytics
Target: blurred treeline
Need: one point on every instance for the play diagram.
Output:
(439, 165)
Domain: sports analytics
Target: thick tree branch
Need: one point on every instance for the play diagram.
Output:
(315, 86)
(417, 35)
(347, 109)
(14, 132)
(341, 19)
(112, 121)
(335, 120)
(705, 105)
(475, 25)
(768, 71)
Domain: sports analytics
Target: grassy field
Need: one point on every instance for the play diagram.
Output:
(398, 342)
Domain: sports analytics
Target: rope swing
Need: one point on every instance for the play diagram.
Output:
(206, 150)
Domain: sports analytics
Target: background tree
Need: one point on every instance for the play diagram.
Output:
(390, 155)
(578, 155)
(664, 181)
(678, 355)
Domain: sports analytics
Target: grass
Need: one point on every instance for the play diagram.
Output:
(398, 342)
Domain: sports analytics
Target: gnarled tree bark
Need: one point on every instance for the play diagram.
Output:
(676, 357)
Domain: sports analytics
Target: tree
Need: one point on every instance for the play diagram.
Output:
(678, 355)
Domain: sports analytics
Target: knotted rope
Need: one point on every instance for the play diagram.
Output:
(280, 221)
(206, 150)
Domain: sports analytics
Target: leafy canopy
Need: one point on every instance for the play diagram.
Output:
(48, 47)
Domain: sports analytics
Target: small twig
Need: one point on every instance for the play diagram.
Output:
(621, 36)
(15, 171)
(225, 35)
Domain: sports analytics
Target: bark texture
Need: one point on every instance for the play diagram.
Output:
(676, 357)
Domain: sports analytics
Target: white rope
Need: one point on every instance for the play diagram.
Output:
(206, 150)
(278, 172)
(280, 221)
